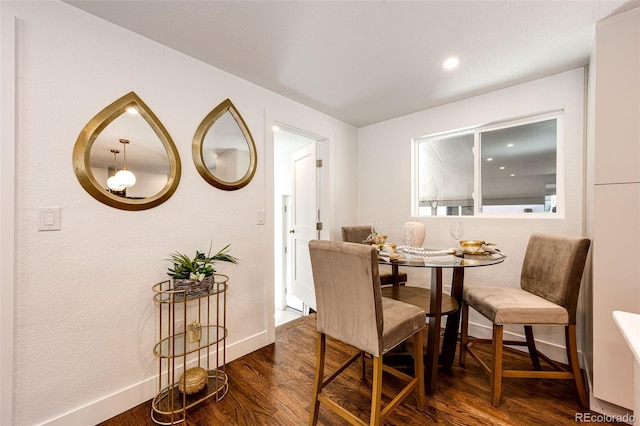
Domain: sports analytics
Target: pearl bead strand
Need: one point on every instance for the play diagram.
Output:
(419, 251)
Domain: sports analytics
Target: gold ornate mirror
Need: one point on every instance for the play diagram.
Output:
(127, 136)
(223, 149)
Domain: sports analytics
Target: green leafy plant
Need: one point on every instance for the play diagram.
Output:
(200, 266)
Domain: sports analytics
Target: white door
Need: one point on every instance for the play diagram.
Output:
(290, 300)
(304, 219)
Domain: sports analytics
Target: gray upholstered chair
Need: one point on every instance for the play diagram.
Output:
(351, 309)
(358, 234)
(550, 283)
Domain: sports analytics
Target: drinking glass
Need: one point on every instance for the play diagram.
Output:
(407, 234)
(456, 231)
(376, 227)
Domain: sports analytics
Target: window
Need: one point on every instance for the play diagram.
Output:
(511, 166)
(445, 175)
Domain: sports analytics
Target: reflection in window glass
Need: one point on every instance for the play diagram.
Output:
(518, 168)
(445, 175)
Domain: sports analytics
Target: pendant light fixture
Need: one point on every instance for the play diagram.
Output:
(112, 182)
(125, 177)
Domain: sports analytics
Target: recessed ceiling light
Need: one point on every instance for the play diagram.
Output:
(501, 167)
(489, 159)
(512, 174)
(451, 63)
(509, 145)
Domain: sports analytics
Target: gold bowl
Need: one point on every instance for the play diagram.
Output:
(471, 246)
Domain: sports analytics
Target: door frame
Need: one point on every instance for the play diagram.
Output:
(315, 130)
(9, 140)
(285, 208)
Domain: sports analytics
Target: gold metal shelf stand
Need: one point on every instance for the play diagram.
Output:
(176, 353)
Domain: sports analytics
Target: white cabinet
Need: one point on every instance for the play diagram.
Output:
(615, 139)
(616, 286)
(617, 100)
(629, 325)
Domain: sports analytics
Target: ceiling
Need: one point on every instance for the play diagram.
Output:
(368, 61)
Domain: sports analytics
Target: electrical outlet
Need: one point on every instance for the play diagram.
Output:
(179, 325)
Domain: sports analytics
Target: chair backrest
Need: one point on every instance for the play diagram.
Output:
(348, 295)
(355, 234)
(552, 269)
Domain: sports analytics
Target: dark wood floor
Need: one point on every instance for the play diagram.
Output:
(273, 386)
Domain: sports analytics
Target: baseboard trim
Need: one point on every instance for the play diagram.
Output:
(111, 405)
(610, 412)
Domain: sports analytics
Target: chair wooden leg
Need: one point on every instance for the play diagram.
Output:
(317, 383)
(574, 365)
(464, 334)
(531, 344)
(496, 365)
(418, 367)
(376, 394)
(362, 364)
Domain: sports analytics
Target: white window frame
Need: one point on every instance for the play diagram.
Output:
(558, 115)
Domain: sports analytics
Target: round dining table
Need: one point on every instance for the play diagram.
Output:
(434, 303)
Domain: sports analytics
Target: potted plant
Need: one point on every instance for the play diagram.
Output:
(195, 275)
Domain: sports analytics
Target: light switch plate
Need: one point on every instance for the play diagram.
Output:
(260, 217)
(49, 218)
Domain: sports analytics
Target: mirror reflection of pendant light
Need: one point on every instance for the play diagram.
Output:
(112, 182)
(124, 176)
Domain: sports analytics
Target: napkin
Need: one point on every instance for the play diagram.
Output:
(386, 250)
(489, 249)
(390, 256)
(388, 253)
(493, 250)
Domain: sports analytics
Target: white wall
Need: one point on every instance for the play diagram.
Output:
(84, 316)
(385, 179)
